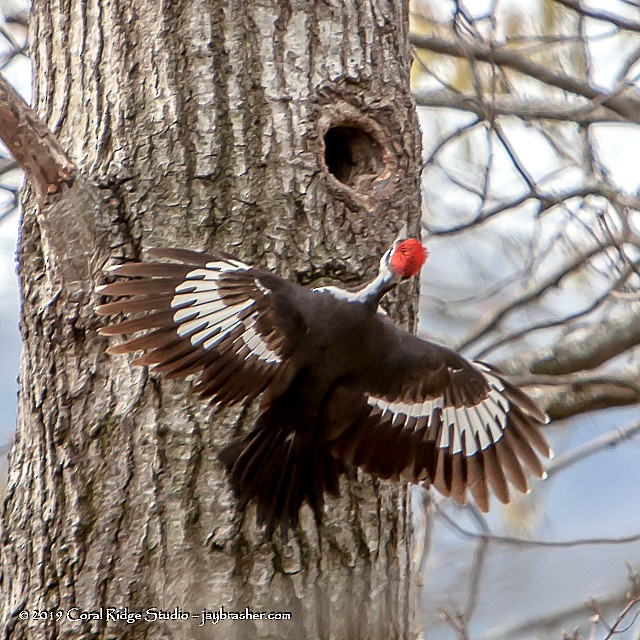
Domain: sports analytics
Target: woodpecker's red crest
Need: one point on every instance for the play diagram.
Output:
(408, 258)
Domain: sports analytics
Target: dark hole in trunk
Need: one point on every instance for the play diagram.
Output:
(353, 156)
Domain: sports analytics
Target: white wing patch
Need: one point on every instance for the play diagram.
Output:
(462, 428)
(207, 319)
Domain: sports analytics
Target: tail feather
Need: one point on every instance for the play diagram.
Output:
(279, 470)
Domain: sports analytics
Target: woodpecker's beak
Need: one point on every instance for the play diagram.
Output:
(402, 234)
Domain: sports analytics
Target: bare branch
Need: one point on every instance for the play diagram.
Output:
(606, 441)
(570, 400)
(456, 622)
(517, 163)
(546, 201)
(495, 317)
(624, 105)
(595, 304)
(588, 347)
(34, 147)
(605, 16)
(475, 576)
(526, 109)
(533, 542)
(629, 379)
(546, 625)
(20, 18)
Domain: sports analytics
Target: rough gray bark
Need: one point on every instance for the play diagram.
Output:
(284, 132)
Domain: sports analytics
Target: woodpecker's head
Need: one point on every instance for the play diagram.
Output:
(402, 260)
(405, 257)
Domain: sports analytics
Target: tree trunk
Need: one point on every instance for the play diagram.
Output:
(283, 132)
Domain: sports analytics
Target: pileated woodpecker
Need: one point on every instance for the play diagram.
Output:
(340, 384)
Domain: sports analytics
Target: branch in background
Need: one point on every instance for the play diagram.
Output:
(532, 542)
(630, 379)
(546, 201)
(456, 622)
(595, 304)
(565, 401)
(478, 54)
(19, 17)
(526, 109)
(615, 628)
(623, 105)
(46, 166)
(597, 14)
(589, 347)
(494, 318)
(7, 165)
(545, 626)
(606, 441)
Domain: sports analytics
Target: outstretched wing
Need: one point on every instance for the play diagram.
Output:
(424, 413)
(206, 314)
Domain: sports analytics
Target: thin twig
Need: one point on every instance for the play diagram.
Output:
(598, 14)
(606, 441)
(533, 542)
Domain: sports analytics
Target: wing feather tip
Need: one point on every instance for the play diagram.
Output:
(108, 331)
(118, 350)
